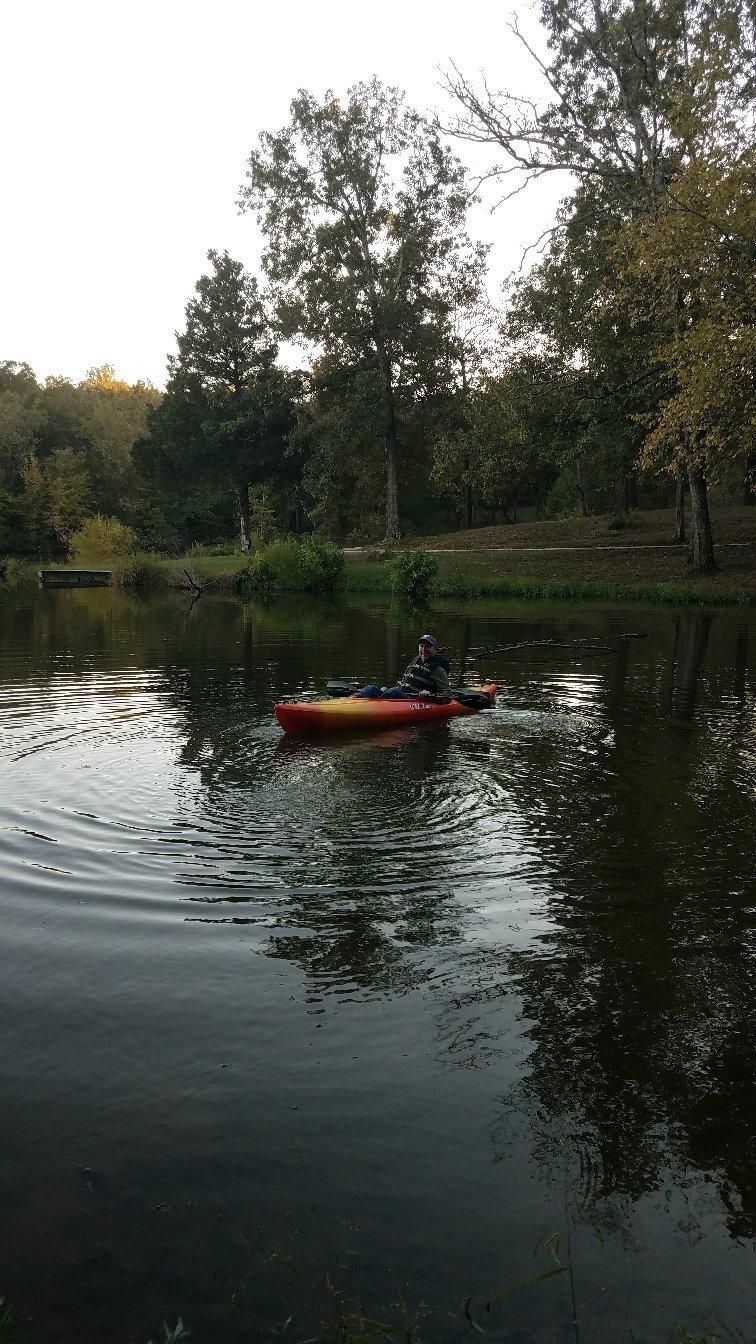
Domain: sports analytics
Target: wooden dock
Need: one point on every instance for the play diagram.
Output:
(74, 578)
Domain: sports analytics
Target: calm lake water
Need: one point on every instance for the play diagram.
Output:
(419, 1001)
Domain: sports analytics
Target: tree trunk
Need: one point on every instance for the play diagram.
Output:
(388, 405)
(390, 438)
(393, 529)
(701, 539)
(466, 459)
(242, 491)
(468, 503)
(620, 490)
(749, 484)
(679, 536)
(582, 492)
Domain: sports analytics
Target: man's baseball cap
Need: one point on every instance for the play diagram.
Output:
(428, 639)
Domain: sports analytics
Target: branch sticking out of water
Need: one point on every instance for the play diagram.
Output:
(552, 644)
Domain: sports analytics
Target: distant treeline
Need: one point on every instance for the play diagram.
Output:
(619, 370)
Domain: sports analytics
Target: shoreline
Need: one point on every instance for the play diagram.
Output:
(571, 559)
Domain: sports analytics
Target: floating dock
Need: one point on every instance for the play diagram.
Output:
(74, 578)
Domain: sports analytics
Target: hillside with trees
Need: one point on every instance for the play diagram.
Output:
(618, 372)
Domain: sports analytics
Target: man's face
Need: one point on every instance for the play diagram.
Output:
(426, 651)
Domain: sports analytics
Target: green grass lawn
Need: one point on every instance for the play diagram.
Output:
(648, 527)
(567, 558)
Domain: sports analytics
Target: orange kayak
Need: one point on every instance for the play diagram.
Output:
(353, 712)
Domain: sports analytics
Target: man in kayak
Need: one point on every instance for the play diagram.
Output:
(427, 675)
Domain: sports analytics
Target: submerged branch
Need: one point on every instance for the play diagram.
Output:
(553, 644)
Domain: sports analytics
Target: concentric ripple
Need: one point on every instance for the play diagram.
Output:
(449, 979)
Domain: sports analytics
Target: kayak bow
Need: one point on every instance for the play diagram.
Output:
(354, 712)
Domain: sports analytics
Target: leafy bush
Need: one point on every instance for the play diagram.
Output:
(411, 573)
(563, 499)
(155, 533)
(620, 522)
(325, 564)
(16, 572)
(263, 523)
(371, 527)
(15, 537)
(286, 565)
(101, 538)
(138, 571)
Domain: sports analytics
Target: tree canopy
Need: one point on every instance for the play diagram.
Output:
(620, 365)
(363, 210)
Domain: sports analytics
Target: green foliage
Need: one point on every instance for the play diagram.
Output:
(138, 571)
(411, 574)
(16, 572)
(58, 493)
(363, 208)
(156, 533)
(228, 411)
(65, 450)
(209, 548)
(618, 523)
(14, 533)
(263, 523)
(325, 563)
(629, 346)
(563, 499)
(8, 1328)
(689, 275)
(287, 565)
(650, 109)
(101, 538)
(373, 578)
(98, 419)
(20, 420)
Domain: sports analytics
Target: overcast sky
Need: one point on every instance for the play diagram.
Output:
(125, 133)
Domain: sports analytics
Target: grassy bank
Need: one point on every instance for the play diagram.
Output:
(570, 577)
(647, 527)
(570, 559)
(580, 558)
(567, 559)
(369, 579)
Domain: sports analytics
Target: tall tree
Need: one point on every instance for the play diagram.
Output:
(697, 259)
(572, 314)
(637, 90)
(20, 420)
(227, 410)
(114, 415)
(363, 209)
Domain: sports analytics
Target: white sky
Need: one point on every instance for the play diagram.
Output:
(126, 128)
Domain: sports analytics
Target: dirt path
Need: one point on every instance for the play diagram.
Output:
(547, 550)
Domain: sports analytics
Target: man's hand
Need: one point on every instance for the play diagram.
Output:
(424, 695)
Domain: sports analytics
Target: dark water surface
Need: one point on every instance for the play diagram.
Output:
(422, 999)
